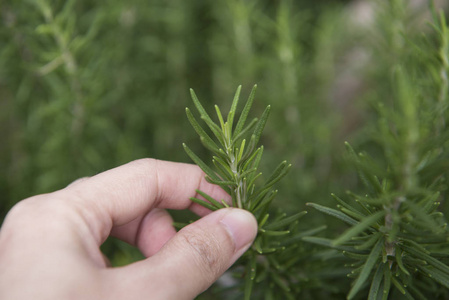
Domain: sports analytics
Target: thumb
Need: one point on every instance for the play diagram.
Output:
(196, 256)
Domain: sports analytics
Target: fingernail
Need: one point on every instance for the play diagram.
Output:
(241, 225)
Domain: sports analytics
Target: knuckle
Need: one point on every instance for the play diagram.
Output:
(77, 181)
(20, 214)
(24, 208)
(40, 207)
(146, 163)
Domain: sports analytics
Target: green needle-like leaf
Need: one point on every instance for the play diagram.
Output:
(398, 285)
(414, 245)
(280, 282)
(279, 173)
(297, 237)
(369, 243)
(341, 202)
(356, 256)
(360, 227)
(210, 199)
(200, 163)
(264, 205)
(220, 182)
(256, 198)
(245, 112)
(222, 171)
(353, 213)
(207, 141)
(426, 257)
(220, 118)
(399, 261)
(225, 165)
(367, 268)
(263, 220)
(249, 279)
(215, 129)
(334, 213)
(274, 232)
(241, 150)
(204, 203)
(245, 131)
(376, 283)
(437, 275)
(261, 125)
(252, 179)
(285, 222)
(387, 283)
(254, 159)
(219, 134)
(247, 172)
(231, 113)
(328, 243)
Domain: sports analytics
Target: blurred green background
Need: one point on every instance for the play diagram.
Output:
(88, 85)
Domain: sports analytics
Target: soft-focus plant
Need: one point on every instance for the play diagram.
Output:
(398, 239)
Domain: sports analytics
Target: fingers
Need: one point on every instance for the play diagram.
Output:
(154, 230)
(121, 195)
(77, 181)
(192, 260)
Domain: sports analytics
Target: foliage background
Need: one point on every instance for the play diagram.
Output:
(86, 86)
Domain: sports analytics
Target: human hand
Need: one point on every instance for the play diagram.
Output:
(49, 244)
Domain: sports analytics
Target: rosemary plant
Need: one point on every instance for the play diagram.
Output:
(236, 158)
(398, 239)
(327, 72)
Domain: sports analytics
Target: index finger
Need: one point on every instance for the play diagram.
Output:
(121, 195)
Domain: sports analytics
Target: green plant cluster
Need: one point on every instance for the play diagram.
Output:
(86, 86)
(236, 171)
(397, 244)
(398, 238)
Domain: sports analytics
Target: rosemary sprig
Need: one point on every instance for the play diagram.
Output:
(236, 157)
